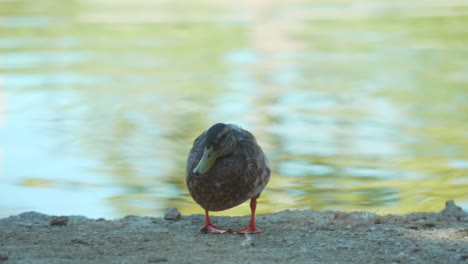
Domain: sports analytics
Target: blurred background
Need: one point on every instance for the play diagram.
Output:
(359, 105)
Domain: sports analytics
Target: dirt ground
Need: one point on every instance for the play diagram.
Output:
(288, 237)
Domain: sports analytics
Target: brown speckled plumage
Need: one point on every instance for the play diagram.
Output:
(234, 177)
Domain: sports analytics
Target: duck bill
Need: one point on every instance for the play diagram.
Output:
(206, 162)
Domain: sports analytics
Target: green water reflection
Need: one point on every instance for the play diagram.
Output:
(359, 105)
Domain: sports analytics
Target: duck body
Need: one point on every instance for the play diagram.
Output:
(225, 168)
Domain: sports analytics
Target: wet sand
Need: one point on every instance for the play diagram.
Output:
(288, 237)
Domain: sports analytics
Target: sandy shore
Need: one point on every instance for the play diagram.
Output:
(288, 237)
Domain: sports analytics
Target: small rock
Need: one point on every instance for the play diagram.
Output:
(156, 260)
(451, 207)
(173, 214)
(452, 211)
(59, 221)
(3, 257)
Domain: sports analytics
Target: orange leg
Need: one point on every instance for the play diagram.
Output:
(209, 227)
(251, 229)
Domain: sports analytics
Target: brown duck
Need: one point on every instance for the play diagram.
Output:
(225, 168)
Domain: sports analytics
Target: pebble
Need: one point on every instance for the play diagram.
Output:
(172, 214)
(59, 221)
(450, 206)
(3, 257)
(453, 211)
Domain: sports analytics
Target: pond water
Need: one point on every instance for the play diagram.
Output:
(359, 105)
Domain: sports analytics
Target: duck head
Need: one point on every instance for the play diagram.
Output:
(220, 141)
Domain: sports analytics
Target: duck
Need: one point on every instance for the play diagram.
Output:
(225, 168)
